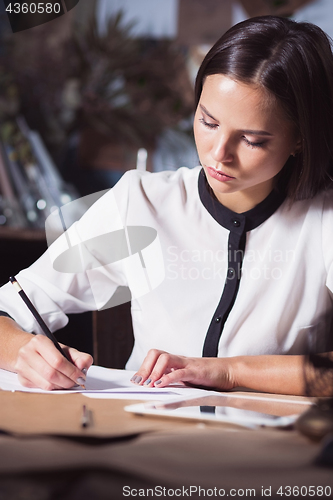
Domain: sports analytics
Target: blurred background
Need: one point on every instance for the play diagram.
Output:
(109, 87)
(113, 77)
(105, 88)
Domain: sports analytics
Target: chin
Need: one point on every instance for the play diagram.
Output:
(220, 187)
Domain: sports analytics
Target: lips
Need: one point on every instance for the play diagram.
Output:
(218, 175)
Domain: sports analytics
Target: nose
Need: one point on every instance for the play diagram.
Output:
(222, 149)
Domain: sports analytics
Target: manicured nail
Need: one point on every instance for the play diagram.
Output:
(133, 378)
(158, 382)
(84, 371)
(147, 381)
(80, 381)
(138, 379)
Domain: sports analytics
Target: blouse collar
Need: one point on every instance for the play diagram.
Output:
(234, 221)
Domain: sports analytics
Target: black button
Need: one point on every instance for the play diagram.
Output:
(218, 319)
(236, 222)
(231, 272)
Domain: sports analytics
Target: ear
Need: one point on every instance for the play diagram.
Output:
(298, 148)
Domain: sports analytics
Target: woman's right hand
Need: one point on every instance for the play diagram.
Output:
(40, 364)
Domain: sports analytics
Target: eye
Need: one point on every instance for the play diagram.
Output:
(207, 124)
(253, 144)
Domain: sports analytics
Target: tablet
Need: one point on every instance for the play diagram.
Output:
(245, 411)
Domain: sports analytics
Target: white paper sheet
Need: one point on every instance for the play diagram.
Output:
(107, 383)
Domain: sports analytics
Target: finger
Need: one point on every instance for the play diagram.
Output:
(32, 379)
(36, 369)
(81, 360)
(180, 375)
(61, 364)
(42, 357)
(26, 382)
(142, 375)
(31, 369)
(165, 363)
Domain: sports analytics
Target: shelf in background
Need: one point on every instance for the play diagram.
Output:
(11, 233)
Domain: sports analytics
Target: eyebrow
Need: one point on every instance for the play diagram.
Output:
(207, 112)
(257, 132)
(247, 131)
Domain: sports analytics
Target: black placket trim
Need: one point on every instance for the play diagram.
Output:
(238, 225)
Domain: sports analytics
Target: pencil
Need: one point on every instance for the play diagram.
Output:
(85, 420)
(45, 329)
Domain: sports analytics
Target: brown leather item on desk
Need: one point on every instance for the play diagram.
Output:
(29, 414)
(61, 414)
(140, 452)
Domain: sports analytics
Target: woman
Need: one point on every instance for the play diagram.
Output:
(246, 239)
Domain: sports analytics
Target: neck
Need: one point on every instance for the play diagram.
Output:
(243, 201)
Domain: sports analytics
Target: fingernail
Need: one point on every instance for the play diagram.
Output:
(133, 378)
(147, 381)
(80, 381)
(84, 371)
(158, 382)
(138, 379)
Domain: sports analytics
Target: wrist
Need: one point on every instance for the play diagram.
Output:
(236, 370)
(224, 373)
(250, 372)
(13, 338)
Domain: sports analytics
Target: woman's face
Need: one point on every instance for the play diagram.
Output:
(243, 140)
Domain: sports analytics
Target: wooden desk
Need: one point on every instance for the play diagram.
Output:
(143, 453)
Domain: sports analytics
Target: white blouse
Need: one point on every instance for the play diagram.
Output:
(204, 280)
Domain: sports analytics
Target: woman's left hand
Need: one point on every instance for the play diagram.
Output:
(160, 369)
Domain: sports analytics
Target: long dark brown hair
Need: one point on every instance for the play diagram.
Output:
(294, 63)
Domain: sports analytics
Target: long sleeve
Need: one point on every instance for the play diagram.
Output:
(76, 273)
